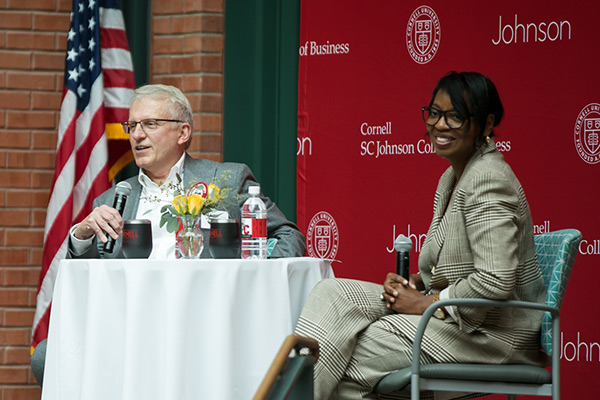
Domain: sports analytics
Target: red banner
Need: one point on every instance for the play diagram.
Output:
(367, 172)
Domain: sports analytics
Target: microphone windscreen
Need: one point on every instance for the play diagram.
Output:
(402, 243)
(123, 188)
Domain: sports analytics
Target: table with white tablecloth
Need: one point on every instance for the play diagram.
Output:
(171, 329)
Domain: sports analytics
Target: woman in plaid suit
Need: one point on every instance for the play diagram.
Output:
(479, 245)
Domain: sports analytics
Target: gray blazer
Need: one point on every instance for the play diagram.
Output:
(290, 241)
(480, 245)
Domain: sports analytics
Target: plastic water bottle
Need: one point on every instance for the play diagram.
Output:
(254, 225)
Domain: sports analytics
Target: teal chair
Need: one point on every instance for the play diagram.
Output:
(556, 252)
(271, 242)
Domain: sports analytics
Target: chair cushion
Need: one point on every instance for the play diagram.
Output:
(467, 372)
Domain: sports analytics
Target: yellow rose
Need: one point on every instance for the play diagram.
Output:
(180, 203)
(213, 190)
(195, 203)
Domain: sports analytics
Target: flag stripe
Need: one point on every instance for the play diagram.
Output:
(118, 98)
(98, 88)
(95, 135)
(91, 122)
(112, 18)
(118, 114)
(61, 190)
(118, 79)
(117, 59)
(97, 188)
(113, 38)
(51, 247)
(68, 112)
(83, 188)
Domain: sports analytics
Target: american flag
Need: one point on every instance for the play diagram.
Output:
(98, 88)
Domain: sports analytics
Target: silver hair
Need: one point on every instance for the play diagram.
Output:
(179, 105)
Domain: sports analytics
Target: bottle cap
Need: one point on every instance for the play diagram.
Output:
(254, 190)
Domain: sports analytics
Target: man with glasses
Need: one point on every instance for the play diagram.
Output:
(160, 130)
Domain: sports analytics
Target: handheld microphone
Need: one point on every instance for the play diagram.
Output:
(122, 190)
(402, 245)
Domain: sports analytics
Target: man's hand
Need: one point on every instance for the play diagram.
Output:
(102, 219)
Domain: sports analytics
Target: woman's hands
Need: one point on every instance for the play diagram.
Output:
(403, 296)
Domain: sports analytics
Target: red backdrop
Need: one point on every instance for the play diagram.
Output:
(366, 172)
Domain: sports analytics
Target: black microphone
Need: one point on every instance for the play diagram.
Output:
(122, 190)
(403, 245)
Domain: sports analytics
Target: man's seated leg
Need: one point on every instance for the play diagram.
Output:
(38, 360)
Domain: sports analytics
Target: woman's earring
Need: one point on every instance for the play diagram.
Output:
(487, 139)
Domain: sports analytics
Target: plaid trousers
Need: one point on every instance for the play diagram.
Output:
(360, 340)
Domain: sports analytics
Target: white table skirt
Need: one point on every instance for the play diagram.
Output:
(184, 329)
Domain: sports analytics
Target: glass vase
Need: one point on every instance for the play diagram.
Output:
(189, 240)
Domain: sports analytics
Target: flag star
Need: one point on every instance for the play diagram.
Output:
(92, 64)
(81, 49)
(81, 7)
(92, 4)
(81, 29)
(92, 44)
(71, 34)
(91, 24)
(73, 74)
(80, 90)
(81, 69)
(72, 55)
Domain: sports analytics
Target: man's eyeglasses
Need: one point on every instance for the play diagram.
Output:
(453, 119)
(148, 125)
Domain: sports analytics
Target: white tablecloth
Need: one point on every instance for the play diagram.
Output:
(184, 329)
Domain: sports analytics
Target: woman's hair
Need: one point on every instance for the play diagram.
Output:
(472, 94)
(179, 105)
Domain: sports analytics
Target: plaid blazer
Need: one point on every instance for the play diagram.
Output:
(480, 245)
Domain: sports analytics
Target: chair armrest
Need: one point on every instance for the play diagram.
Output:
(428, 313)
(291, 342)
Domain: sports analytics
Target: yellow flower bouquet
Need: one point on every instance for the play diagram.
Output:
(183, 215)
(190, 203)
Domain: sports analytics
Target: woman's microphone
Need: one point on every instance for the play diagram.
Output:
(403, 245)
(122, 190)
